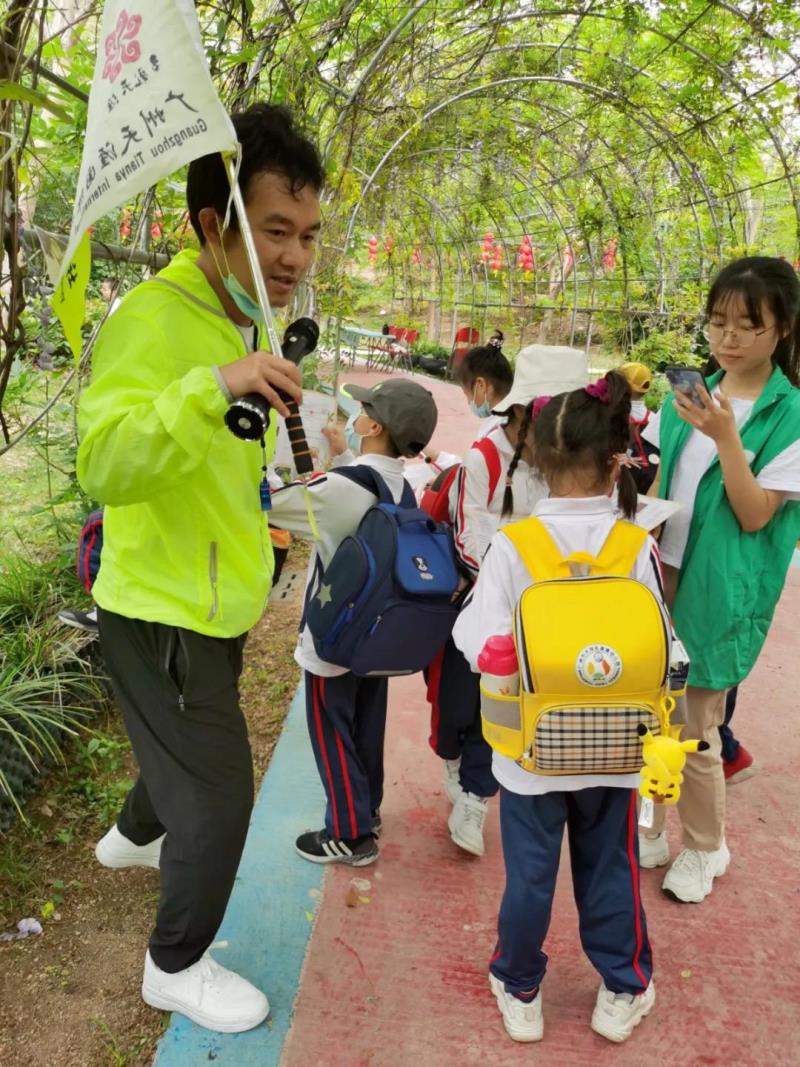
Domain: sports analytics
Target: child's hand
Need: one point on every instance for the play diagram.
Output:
(334, 435)
(715, 420)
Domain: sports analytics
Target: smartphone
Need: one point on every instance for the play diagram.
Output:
(689, 381)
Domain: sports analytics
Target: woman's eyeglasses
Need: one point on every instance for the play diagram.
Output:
(741, 336)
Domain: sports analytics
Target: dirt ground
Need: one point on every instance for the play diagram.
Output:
(70, 998)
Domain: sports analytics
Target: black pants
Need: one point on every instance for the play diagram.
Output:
(347, 723)
(456, 732)
(178, 692)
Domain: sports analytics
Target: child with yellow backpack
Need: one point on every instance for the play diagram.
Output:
(568, 583)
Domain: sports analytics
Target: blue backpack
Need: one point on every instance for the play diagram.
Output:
(383, 605)
(90, 547)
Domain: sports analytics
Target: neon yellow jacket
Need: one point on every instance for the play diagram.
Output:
(184, 540)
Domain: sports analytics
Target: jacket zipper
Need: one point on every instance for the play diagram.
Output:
(212, 577)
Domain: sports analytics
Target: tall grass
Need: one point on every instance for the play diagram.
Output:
(48, 688)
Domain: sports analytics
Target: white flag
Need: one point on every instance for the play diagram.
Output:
(152, 107)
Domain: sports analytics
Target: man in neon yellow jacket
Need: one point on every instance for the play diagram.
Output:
(187, 559)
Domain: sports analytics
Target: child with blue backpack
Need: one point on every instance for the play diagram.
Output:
(346, 710)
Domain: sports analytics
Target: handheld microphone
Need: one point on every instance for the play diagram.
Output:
(248, 417)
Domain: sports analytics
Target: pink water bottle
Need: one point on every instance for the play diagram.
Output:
(498, 665)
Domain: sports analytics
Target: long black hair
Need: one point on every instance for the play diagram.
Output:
(759, 280)
(524, 429)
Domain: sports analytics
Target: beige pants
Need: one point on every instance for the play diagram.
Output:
(702, 803)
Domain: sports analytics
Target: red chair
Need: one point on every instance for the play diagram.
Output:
(411, 336)
(467, 337)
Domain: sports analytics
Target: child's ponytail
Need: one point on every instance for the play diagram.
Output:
(588, 429)
(508, 495)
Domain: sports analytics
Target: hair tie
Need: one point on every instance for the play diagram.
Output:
(624, 460)
(538, 406)
(599, 390)
(495, 342)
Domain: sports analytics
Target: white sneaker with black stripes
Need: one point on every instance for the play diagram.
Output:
(319, 847)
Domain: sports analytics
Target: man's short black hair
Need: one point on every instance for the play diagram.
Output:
(270, 142)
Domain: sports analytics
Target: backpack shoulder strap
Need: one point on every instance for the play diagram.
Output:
(544, 561)
(537, 549)
(488, 449)
(623, 544)
(368, 478)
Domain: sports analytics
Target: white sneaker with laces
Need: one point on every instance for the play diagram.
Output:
(466, 822)
(691, 876)
(207, 993)
(116, 851)
(452, 782)
(653, 850)
(523, 1022)
(616, 1015)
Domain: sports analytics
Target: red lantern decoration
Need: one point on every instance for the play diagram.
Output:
(372, 253)
(388, 247)
(496, 262)
(525, 255)
(487, 247)
(610, 255)
(416, 256)
(125, 224)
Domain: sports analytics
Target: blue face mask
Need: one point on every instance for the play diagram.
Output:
(236, 291)
(352, 436)
(242, 299)
(483, 411)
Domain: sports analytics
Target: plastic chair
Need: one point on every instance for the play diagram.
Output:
(467, 337)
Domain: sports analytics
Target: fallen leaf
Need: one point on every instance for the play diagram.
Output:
(310, 916)
(363, 900)
(686, 974)
(351, 896)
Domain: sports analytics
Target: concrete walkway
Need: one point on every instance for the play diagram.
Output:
(394, 965)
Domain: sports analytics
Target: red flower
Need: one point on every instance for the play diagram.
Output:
(120, 45)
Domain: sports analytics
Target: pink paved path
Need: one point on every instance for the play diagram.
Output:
(400, 981)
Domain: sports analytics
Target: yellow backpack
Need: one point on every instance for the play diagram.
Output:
(593, 648)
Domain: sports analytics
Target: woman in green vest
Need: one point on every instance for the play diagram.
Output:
(734, 465)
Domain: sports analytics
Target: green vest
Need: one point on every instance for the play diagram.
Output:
(731, 580)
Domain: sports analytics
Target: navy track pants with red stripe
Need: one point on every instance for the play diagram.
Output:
(603, 842)
(347, 723)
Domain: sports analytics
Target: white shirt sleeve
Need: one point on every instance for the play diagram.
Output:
(783, 473)
(469, 505)
(337, 505)
(490, 607)
(652, 431)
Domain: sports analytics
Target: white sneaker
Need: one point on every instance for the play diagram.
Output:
(523, 1022)
(115, 850)
(452, 782)
(616, 1015)
(653, 850)
(207, 993)
(466, 822)
(691, 876)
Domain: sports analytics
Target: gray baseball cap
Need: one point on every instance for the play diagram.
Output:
(405, 409)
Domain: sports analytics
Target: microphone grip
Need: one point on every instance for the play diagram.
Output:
(303, 460)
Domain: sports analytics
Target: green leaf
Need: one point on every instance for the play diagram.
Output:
(15, 91)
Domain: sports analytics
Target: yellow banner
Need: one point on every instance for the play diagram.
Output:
(69, 299)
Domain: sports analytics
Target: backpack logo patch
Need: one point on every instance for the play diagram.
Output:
(422, 566)
(598, 665)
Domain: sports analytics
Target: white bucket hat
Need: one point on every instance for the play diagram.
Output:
(545, 370)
